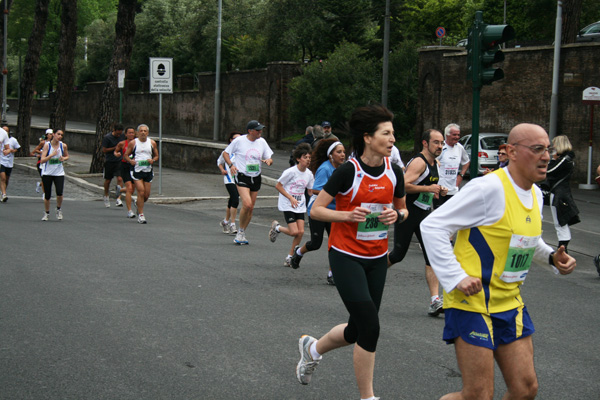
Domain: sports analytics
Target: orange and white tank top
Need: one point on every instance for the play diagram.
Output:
(367, 239)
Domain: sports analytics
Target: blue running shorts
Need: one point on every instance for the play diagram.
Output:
(487, 331)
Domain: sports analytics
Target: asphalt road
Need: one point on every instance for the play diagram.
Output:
(100, 307)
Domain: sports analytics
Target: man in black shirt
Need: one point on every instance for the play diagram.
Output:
(112, 163)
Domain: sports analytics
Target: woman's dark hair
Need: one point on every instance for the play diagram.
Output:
(232, 134)
(319, 154)
(301, 150)
(365, 120)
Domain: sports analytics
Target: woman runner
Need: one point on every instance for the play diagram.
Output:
(369, 193)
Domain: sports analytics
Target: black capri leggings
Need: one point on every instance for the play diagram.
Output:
(59, 184)
(234, 196)
(403, 234)
(360, 283)
(317, 230)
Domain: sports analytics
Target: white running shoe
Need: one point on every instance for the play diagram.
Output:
(38, 187)
(436, 307)
(130, 214)
(119, 203)
(4, 198)
(45, 217)
(141, 219)
(118, 191)
(106, 202)
(288, 261)
(59, 214)
(240, 238)
(224, 226)
(306, 366)
(273, 231)
(232, 229)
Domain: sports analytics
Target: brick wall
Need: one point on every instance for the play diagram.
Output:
(524, 95)
(257, 94)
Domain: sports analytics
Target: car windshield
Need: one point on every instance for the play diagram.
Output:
(492, 142)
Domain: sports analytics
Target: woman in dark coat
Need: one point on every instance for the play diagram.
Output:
(562, 205)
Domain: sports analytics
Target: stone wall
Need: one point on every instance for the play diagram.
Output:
(524, 95)
(257, 94)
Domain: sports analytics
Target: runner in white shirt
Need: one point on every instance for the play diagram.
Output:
(4, 142)
(396, 159)
(54, 154)
(250, 151)
(145, 154)
(6, 163)
(292, 202)
(453, 162)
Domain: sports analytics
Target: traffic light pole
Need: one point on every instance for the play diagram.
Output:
(476, 80)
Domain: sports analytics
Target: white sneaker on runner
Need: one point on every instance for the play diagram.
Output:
(106, 202)
(273, 231)
(141, 219)
(45, 217)
(119, 203)
(130, 214)
(288, 261)
(224, 226)
(59, 214)
(240, 238)
(38, 187)
(118, 191)
(232, 229)
(306, 366)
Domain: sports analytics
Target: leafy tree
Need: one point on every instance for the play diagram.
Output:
(66, 65)
(107, 110)
(331, 89)
(100, 36)
(403, 87)
(32, 61)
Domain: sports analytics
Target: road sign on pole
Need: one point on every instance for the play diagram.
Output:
(440, 32)
(161, 81)
(161, 75)
(591, 97)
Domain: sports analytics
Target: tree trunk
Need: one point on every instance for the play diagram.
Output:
(66, 65)
(4, 67)
(570, 20)
(107, 110)
(29, 77)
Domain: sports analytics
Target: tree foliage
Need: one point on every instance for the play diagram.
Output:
(331, 89)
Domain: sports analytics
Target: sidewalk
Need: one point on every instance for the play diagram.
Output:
(177, 186)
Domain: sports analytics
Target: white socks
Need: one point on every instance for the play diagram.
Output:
(313, 351)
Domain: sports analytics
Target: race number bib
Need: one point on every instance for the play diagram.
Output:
(424, 201)
(54, 161)
(372, 228)
(520, 256)
(144, 163)
(252, 168)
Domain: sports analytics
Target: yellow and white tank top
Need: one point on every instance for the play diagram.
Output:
(499, 254)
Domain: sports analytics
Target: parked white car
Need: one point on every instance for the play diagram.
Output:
(488, 149)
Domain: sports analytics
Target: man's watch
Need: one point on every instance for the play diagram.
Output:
(461, 174)
(230, 165)
(400, 216)
(551, 259)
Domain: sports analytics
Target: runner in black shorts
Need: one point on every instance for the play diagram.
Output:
(369, 193)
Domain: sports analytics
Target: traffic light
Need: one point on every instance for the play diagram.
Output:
(492, 37)
(483, 50)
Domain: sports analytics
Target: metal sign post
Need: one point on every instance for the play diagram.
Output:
(161, 81)
(591, 96)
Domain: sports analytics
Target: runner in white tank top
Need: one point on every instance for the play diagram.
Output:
(145, 154)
